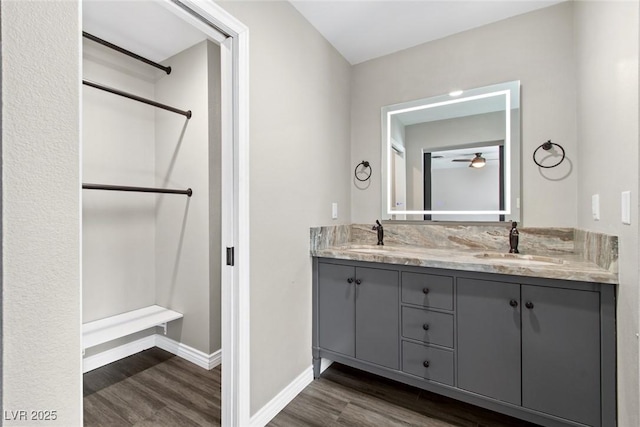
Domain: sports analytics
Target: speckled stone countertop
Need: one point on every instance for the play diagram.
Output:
(565, 254)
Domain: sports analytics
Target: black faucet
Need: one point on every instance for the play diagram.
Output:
(514, 237)
(380, 232)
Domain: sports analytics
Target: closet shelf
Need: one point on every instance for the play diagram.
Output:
(118, 92)
(121, 325)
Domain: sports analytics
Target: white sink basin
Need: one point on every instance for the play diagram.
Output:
(377, 250)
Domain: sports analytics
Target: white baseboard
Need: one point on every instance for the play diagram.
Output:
(90, 363)
(197, 357)
(282, 399)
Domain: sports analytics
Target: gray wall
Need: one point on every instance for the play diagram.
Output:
(214, 85)
(41, 209)
(535, 48)
(299, 158)
(144, 249)
(459, 188)
(184, 281)
(607, 62)
(118, 145)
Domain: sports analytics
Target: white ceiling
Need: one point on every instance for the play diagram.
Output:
(364, 29)
(144, 27)
(359, 29)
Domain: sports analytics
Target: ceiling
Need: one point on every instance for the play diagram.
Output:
(144, 27)
(359, 29)
(363, 29)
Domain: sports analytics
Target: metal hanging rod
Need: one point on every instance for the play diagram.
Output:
(188, 191)
(126, 52)
(187, 113)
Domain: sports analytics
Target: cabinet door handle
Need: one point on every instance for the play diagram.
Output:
(425, 363)
(529, 305)
(513, 303)
(358, 282)
(350, 280)
(425, 326)
(425, 290)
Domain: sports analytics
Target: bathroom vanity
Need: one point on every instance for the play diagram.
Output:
(529, 336)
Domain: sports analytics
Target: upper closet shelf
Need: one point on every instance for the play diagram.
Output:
(121, 325)
(126, 52)
(186, 113)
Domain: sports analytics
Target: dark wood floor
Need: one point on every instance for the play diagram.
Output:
(344, 396)
(152, 388)
(156, 388)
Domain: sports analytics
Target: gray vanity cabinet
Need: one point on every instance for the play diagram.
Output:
(534, 346)
(358, 313)
(561, 353)
(543, 350)
(337, 315)
(488, 316)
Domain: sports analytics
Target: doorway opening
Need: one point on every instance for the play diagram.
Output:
(165, 218)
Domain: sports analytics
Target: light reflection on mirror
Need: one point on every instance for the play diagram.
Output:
(429, 144)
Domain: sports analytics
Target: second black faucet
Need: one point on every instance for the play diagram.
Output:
(380, 232)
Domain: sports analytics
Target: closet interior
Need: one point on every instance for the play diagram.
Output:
(151, 185)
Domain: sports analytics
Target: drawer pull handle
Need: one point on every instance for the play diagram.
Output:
(350, 280)
(425, 326)
(513, 303)
(529, 305)
(425, 363)
(425, 290)
(358, 281)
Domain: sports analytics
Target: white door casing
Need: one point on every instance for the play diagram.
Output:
(234, 49)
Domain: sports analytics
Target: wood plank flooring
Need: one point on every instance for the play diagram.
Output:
(155, 388)
(344, 396)
(152, 388)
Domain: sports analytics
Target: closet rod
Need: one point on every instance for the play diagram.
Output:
(188, 191)
(126, 52)
(187, 114)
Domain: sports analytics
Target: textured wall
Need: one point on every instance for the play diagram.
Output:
(41, 210)
(535, 48)
(299, 158)
(607, 62)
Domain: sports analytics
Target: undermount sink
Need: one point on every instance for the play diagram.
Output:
(520, 258)
(374, 250)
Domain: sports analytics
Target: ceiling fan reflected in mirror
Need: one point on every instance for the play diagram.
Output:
(477, 162)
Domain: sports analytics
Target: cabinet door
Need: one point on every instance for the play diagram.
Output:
(488, 340)
(377, 317)
(336, 308)
(561, 353)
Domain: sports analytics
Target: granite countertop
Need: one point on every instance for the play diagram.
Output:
(557, 266)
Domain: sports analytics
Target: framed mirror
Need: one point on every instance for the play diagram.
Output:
(453, 157)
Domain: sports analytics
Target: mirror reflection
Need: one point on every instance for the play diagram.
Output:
(453, 157)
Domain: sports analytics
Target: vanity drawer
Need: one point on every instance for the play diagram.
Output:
(430, 363)
(428, 326)
(427, 290)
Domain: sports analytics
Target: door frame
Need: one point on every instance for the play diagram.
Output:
(234, 51)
